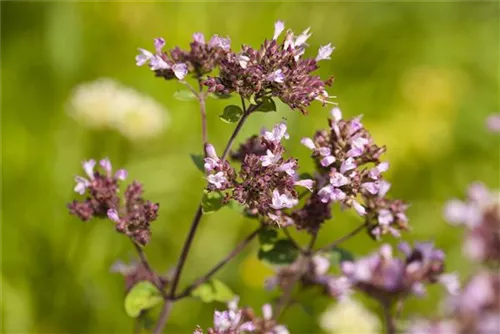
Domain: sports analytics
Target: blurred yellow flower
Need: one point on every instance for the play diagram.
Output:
(349, 316)
(105, 103)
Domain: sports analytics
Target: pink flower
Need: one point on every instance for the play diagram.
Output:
(359, 208)
(269, 158)
(159, 44)
(217, 179)
(279, 26)
(324, 52)
(81, 185)
(143, 57)
(347, 164)
(308, 183)
(121, 174)
(113, 215)
(88, 167)
(157, 63)
(308, 142)
(106, 165)
(327, 161)
(338, 180)
(180, 70)
(277, 76)
(288, 168)
(280, 201)
(198, 37)
(278, 132)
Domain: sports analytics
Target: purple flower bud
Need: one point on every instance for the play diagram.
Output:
(279, 26)
(324, 151)
(308, 183)
(210, 164)
(280, 201)
(247, 327)
(81, 185)
(347, 164)
(243, 61)
(327, 161)
(324, 52)
(88, 167)
(270, 158)
(385, 217)
(329, 193)
(198, 37)
(106, 165)
(371, 187)
(384, 187)
(338, 180)
(302, 38)
(276, 76)
(219, 42)
(357, 147)
(359, 208)
(493, 122)
(321, 265)
(143, 57)
(159, 44)
(211, 153)
(336, 114)
(113, 215)
(374, 173)
(355, 125)
(218, 180)
(157, 63)
(121, 174)
(308, 142)
(288, 168)
(180, 70)
(267, 311)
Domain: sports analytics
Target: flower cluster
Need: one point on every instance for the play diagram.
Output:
(266, 182)
(480, 214)
(275, 69)
(385, 277)
(350, 169)
(475, 309)
(236, 320)
(102, 200)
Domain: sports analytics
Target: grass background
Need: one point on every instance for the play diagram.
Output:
(425, 76)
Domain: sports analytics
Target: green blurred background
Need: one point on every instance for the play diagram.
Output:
(425, 76)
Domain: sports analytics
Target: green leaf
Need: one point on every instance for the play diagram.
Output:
(283, 252)
(185, 95)
(199, 161)
(266, 104)
(339, 255)
(144, 295)
(231, 114)
(212, 201)
(213, 291)
(267, 238)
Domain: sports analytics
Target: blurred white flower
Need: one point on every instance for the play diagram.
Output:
(349, 316)
(105, 103)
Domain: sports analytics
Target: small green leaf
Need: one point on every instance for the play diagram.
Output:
(267, 104)
(283, 252)
(231, 114)
(199, 161)
(267, 238)
(185, 95)
(213, 291)
(339, 255)
(212, 201)
(144, 295)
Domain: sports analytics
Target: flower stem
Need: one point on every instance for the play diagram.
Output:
(389, 320)
(167, 306)
(219, 265)
(145, 263)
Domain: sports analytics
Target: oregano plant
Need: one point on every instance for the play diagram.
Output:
(259, 178)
